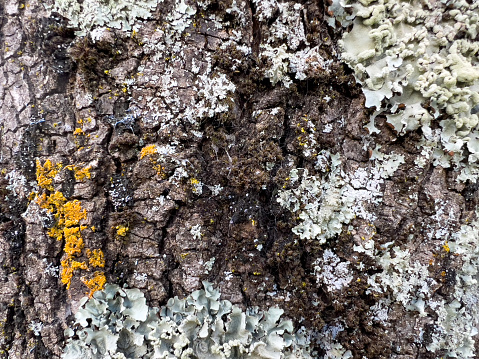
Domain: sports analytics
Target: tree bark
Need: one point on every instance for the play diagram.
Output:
(176, 140)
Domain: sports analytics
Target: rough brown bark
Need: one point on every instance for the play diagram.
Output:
(53, 82)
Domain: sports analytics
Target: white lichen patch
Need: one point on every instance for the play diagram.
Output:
(365, 183)
(278, 71)
(215, 190)
(141, 277)
(117, 14)
(455, 319)
(328, 342)
(180, 89)
(320, 202)
(409, 282)
(323, 203)
(16, 182)
(213, 91)
(51, 269)
(458, 320)
(417, 60)
(196, 231)
(209, 264)
(36, 328)
(288, 30)
(378, 313)
(331, 272)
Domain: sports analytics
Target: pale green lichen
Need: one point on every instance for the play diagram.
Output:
(117, 323)
(417, 62)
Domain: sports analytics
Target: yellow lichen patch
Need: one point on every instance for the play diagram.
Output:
(53, 203)
(446, 247)
(152, 150)
(82, 173)
(73, 245)
(73, 213)
(96, 283)
(68, 215)
(56, 232)
(159, 169)
(68, 267)
(148, 150)
(96, 258)
(32, 196)
(78, 265)
(78, 132)
(122, 230)
(74, 231)
(197, 186)
(46, 174)
(67, 273)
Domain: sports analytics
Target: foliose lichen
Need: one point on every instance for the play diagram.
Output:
(117, 323)
(417, 62)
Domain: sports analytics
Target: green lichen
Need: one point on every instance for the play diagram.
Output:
(417, 62)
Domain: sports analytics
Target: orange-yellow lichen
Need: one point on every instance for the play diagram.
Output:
(68, 267)
(78, 265)
(151, 150)
(56, 232)
(78, 132)
(159, 169)
(73, 245)
(148, 150)
(122, 230)
(82, 173)
(68, 215)
(196, 184)
(53, 203)
(96, 283)
(73, 231)
(46, 174)
(73, 213)
(32, 196)
(446, 247)
(96, 258)
(67, 273)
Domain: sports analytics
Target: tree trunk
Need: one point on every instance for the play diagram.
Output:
(191, 147)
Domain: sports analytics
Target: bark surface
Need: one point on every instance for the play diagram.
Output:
(176, 143)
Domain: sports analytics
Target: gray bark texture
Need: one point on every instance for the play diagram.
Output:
(175, 141)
